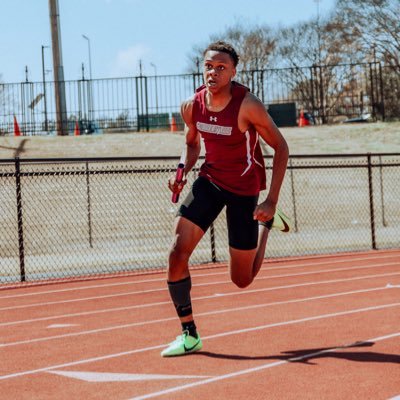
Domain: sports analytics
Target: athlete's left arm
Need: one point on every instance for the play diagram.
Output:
(253, 112)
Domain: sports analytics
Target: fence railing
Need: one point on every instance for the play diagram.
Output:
(143, 103)
(64, 218)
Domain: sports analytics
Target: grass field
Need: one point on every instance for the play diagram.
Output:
(376, 137)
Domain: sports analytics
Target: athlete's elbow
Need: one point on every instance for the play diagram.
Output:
(282, 149)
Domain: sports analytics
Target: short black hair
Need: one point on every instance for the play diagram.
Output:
(224, 47)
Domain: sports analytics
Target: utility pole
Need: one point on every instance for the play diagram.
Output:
(59, 83)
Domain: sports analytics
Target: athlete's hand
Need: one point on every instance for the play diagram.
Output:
(264, 211)
(174, 186)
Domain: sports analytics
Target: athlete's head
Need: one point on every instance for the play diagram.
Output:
(220, 60)
(224, 47)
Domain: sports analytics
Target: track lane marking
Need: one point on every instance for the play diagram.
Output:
(195, 274)
(141, 292)
(218, 335)
(158, 321)
(259, 368)
(202, 298)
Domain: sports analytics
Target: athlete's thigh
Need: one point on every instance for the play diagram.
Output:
(243, 237)
(203, 203)
(241, 266)
(186, 235)
(242, 227)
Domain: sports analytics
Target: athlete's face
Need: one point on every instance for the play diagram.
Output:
(218, 70)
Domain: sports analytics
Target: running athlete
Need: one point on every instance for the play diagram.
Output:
(230, 120)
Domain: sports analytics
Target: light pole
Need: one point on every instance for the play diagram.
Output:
(46, 125)
(90, 77)
(155, 74)
(90, 55)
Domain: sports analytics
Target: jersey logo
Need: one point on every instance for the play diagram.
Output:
(213, 119)
(216, 129)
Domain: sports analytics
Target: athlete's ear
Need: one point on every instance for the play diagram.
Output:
(233, 72)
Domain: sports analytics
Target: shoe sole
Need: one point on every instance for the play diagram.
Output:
(197, 347)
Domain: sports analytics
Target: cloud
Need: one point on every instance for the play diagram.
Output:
(127, 61)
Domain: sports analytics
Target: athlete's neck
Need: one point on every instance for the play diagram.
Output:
(217, 101)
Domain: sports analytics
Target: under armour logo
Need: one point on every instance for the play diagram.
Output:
(213, 119)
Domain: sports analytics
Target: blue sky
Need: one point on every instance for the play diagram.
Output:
(121, 32)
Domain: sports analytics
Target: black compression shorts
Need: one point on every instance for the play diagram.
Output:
(206, 200)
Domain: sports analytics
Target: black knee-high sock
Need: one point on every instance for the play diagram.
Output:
(180, 295)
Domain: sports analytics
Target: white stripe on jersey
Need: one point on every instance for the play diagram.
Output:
(254, 149)
(248, 152)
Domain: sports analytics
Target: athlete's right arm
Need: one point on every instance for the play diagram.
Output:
(193, 146)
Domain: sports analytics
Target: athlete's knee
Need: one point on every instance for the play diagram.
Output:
(178, 253)
(241, 282)
(178, 261)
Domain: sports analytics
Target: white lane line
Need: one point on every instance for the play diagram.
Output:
(163, 320)
(260, 368)
(218, 335)
(58, 326)
(197, 273)
(236, 293)
(117, 377)
(141, 292)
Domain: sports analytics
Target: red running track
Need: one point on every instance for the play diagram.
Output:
(322, 327)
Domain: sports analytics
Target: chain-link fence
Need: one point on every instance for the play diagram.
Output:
(64, 218)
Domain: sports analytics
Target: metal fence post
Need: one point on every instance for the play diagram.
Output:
(89, 204)
(381, 92)
(371, 202)
(19, 219)
(293, 196)
(382, 191)
(212, 239)
(138, 124)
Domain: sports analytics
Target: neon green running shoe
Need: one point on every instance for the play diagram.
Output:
(280, 222)
(184, 344)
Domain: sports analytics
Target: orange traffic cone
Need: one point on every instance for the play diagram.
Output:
(302, 119)
(17, 131)
(77, 131)
(174, 128)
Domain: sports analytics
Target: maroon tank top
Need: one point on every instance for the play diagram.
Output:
(233, 158)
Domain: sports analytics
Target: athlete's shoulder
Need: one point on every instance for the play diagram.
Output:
(187, 109)
(188, 102)
(252, 101)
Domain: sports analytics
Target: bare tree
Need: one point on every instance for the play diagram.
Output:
(254, 44)
(375, 25)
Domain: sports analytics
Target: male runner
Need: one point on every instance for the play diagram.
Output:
(230, 120)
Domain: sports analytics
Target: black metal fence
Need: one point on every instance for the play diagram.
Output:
(64, 218)
(329, 93)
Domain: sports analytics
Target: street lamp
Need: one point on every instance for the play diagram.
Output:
(90, 76)
(46, 126)
(155, 73)
(90, 56)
